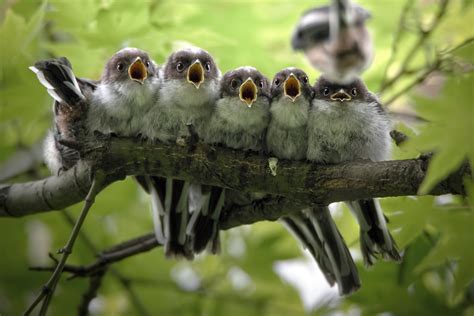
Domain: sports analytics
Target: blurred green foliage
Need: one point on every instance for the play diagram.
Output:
(436, 233)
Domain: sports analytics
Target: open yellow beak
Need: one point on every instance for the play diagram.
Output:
(137, 71)
(196, 74)
(292, 87)
(341, 96)
(248, 92)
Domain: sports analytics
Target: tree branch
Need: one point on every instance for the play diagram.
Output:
(249, 172)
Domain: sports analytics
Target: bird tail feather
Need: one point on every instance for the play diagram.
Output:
(58, 78)
(375, 238)
(318, 233)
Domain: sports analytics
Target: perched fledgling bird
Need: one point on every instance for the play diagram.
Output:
(347, 123)
(335, 40)
(189, 88)
(115, 104)
(291, 99)
(239, 121)
(70, 108)
(241, 114)
(287, 139)
(127, 90)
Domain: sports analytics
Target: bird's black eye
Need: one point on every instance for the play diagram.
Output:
(234, 83)
(261, 84)
(208, 66)
(354, 92)
(305, 79)
(147, 63)
(120, 66)
(276, 82)
(326, 91)
(179, 66)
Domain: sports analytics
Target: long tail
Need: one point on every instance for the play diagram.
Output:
(316, 230)
(203, 228)
(375, 238)
(61, 83)
(170, 214)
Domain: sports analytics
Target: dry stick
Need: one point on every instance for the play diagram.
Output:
(124, 281)
(49, 288)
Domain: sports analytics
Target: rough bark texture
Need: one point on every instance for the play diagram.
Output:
(299, 183)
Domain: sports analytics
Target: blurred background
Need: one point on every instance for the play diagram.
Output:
(422, 71)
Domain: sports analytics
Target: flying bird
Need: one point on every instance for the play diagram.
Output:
(347, 123)
(335, 40)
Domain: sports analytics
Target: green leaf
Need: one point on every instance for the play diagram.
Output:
(449, 133)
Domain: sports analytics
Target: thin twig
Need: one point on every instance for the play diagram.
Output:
(124, 281)
(95, 282)
(424, 36)
(114, 254)
(419, 79)
(49, 288)
(396, 41)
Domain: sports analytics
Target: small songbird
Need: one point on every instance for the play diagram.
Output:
(314, 228)
(347, 123)
(241, 114)
(70, 108)
(291, 99)
(335, 40)
(115, 104)
(189, 88)
(239, 121)
(127, 90)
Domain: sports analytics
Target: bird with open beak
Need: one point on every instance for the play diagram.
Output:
(314, 228)
(239, 121)
(291, 98)
(70, 108)
(127, 90)
(190, 86)
(241, 114)
(335, 40)
(347, 123)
